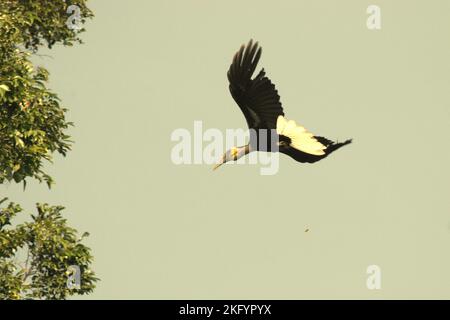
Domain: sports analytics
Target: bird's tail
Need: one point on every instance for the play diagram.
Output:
(301, 139)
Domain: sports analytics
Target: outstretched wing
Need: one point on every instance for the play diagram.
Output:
(257, 98)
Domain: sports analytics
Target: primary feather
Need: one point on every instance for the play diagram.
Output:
(257, 98)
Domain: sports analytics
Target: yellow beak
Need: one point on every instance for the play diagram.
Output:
(217, 165)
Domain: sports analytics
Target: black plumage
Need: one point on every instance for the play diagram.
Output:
(260, 103)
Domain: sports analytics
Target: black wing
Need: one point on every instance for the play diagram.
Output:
(257, 98)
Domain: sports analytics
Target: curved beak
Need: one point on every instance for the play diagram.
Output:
(218, 164)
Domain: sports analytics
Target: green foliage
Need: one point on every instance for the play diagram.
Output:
(50, 247)
(35, 256)
(32, 121)
(34, 23)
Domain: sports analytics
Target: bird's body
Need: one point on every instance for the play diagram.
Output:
(260, 103)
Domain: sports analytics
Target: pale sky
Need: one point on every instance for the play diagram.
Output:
(165, 231)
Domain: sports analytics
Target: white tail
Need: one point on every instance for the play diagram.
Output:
(301, 139)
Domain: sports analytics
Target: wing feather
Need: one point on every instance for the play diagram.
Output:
(257, 98)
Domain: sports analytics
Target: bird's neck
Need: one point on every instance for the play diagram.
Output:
(243, 150)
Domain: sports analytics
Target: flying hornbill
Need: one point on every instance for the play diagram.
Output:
(260, 103)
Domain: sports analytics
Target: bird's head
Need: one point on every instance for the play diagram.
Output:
(231, 155)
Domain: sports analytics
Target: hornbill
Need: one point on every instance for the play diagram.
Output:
(260, 103)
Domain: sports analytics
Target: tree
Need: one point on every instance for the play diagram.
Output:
(32, 122)
(50, 248)
(32, 128)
